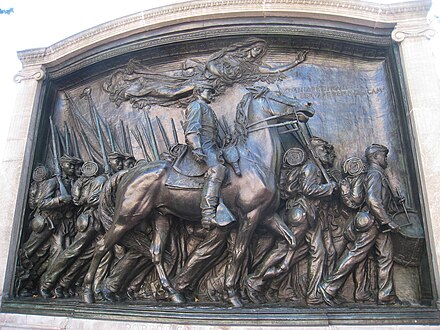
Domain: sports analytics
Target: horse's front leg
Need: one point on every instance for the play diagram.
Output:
(245, 232)
(161, 229)
(278, 226)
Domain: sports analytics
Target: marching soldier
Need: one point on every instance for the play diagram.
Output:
(369, 230)
(305, 190)
(85, 194)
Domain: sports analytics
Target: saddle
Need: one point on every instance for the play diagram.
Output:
(187, 173)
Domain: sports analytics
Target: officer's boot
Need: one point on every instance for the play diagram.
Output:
(211, 214)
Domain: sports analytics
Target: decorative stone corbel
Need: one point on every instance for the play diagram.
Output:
(412, 29)
(37, 73)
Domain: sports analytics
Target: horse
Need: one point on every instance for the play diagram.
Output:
(253, 197)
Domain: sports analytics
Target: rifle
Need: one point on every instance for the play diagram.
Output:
(87, 93)
(138, 137)
(175, 137)
(309, 149)
(63, 190)
(303, 139)
(151, 136)
(163, 133)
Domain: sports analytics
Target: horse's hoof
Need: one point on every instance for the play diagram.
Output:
(177, 298)
(88, 296)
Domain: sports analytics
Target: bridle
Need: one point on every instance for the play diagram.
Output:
(282, 100)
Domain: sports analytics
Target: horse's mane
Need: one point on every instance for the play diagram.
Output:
(241, 117)
(241, 114)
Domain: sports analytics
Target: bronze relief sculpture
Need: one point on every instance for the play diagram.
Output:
(251, 209)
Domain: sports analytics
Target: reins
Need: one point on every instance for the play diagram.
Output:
(281, 100)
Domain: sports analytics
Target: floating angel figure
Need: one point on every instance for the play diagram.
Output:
(239, 63)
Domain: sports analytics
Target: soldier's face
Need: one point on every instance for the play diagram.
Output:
(207, 95)
(78, 171)
(68, 168)
(325, 154)
(381, 159)
(116, 164)
(129, 163)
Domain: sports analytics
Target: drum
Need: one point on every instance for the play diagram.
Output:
(409, 241)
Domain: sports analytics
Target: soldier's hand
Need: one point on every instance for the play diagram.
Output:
(207, 224)
(199, 155)
(344, 187)
(335, 185)
(65, 199)
(393, 226)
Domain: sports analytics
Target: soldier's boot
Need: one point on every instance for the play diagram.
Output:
(59, 292)
(213, 211)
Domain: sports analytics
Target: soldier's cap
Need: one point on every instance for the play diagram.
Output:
(128, 156)
(70, 159)
(375, 148)
(116, 155)
(201, 86)
(317, 141)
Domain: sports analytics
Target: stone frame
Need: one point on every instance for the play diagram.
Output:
(376, 24)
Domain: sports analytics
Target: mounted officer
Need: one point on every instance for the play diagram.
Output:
(201, 133)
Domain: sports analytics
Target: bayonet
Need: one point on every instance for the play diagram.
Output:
(152, 136)
(147, 139)
(67, 139)
(75, 144)
(60, 141)
(124, 137)
(110, 135)
(63, 190)
(163, 133)
(138, 136)
(105, 161)
(175, 136)
(130, 146)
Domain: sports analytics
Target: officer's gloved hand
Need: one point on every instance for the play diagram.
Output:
(393, 226)
(199, 155)
(207, 224)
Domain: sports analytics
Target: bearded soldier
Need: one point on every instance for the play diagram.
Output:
(52, 214)
(305, 190)
(85, 194)
(368, 231)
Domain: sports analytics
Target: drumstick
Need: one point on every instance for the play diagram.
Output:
(405, 225)
(403, 205)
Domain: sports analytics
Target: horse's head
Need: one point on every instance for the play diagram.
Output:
(283, 107)
(262, 108)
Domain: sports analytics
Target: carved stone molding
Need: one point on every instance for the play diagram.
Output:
(359, 12)
(30, 73)
(400, 33)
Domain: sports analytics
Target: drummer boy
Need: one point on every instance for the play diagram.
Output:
(369, 231)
